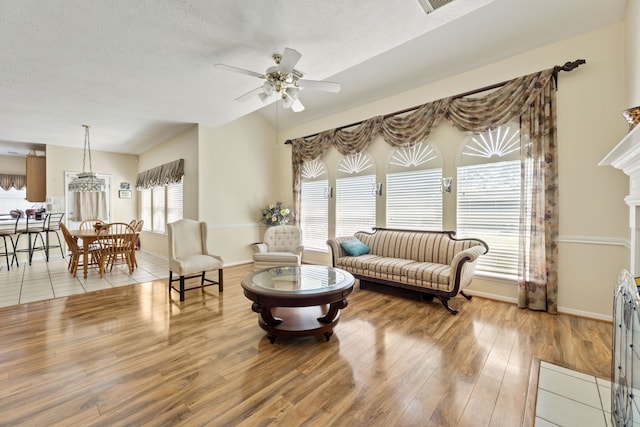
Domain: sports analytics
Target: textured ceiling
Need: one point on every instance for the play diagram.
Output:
(141, 71)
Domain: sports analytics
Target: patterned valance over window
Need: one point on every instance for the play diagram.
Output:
(16, 181)
(169, 173)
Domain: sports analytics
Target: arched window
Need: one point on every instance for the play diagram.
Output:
(489, 197)
(356, 191)
(314, 205)
(414, 182)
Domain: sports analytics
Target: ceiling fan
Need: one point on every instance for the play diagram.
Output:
(282, 81)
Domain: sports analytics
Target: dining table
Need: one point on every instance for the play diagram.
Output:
(88, 237)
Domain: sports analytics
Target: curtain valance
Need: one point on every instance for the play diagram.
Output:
(467, 113)
(16, 181)
(169, 173)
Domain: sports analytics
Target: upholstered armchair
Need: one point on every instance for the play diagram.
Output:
(282, 245)
(188, 255)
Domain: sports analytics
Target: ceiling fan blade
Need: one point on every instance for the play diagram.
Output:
(297, 106)
(249, 94)
(290, 58)
(333, 87)
(239, 70)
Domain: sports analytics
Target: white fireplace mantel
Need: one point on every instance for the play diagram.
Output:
(626, 157)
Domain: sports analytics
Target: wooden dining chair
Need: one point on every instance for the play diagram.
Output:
(87, 224)
(115, 245)
(138, 228)
(75, 251)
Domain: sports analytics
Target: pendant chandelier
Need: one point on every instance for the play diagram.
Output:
(87, 181)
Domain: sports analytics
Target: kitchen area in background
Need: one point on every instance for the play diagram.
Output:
(23, 180)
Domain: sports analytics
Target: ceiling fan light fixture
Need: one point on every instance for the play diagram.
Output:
(264, 97)
(293, 92)
(287, 102)
(283, 82)
(268, 88)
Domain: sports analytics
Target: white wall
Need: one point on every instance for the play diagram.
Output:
(593, 216)
(632, 53)
(238, 173)
(13, 165)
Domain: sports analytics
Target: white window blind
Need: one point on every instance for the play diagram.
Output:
(161, 205)
(414, 199)
(355, 204)
(145, 209)
(314, 214)
(157, 211)
(489, 209)
(174, 202)
(14, 199)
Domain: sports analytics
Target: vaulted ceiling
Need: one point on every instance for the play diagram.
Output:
(139, 72)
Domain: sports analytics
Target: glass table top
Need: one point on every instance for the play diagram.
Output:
(298, 279)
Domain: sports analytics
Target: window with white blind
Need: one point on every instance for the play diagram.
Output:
(145, 209)
(489, 198)
(157, 209)
(414, 195)
(174, 202)
(314, 206)
(356, 192)
(161, 205)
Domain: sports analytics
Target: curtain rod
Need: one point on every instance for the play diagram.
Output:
(568, 66)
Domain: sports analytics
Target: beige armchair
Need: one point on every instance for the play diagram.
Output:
(282, 245)
(188, 255)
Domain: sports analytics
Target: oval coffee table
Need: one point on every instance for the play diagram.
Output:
(301, 300)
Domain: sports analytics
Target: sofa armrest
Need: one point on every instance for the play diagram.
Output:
(260, 248)
(299, 250)
(336, 249)
(463, 265)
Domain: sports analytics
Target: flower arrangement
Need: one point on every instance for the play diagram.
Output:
(275, 214)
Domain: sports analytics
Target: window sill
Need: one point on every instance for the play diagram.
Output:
(317, 251)
(496, 277)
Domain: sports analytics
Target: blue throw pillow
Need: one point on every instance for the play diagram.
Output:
(355, 247)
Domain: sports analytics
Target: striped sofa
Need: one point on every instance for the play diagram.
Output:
(432, 263)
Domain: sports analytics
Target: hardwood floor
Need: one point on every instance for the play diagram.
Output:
(128, 356)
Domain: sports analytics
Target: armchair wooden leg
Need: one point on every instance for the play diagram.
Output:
(170, 281)
(220, 280)
(181, 288)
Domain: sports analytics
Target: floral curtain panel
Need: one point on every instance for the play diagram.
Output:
(530, 98)
(169, 173)
(7, 181)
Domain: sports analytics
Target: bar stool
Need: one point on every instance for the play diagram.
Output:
(33, 230)
(52, 225)
(8, 229)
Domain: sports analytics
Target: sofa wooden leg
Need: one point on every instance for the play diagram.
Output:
(466, 296)
(445, 302)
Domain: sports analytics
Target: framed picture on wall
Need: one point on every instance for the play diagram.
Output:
(124, 194)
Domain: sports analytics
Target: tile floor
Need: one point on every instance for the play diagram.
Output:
(44, 280)
(570, 398)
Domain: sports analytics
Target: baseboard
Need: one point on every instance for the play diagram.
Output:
(563, 310)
